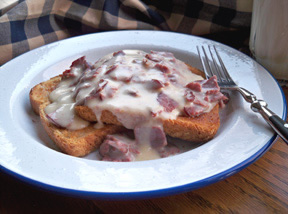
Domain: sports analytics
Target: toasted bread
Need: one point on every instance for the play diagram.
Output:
(76, 143)
(195, 129)
(83, 141)
(39, 94)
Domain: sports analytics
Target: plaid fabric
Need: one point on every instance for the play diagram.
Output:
(33, 23)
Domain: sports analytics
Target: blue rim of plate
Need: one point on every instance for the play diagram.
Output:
(161, 192)
(145, 194)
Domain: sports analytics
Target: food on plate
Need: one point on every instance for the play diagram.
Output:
(73, 142)
(126, 103)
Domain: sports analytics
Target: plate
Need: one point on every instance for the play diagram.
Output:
(27, 153)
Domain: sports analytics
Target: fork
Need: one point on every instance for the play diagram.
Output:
(226, 82)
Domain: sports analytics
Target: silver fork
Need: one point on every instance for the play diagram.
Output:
(226, 82)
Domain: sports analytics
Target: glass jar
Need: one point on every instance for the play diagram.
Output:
(269, 36)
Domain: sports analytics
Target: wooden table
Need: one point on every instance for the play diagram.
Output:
(260, 188)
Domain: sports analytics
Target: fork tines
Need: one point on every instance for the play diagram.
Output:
(213, 64)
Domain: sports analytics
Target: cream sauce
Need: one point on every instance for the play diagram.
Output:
(127, 83)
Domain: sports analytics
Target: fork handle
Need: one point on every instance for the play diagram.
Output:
(260, 106)
(279, 125)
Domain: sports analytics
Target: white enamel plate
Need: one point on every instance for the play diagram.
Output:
(27, 153)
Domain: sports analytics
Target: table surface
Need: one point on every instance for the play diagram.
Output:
(260, 188)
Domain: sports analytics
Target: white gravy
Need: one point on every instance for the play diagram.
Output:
(128, 84)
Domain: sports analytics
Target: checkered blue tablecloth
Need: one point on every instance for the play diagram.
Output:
(33, 23)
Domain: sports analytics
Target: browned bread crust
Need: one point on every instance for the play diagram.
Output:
(196, 129)
(39, 94)
(76, 143)
(196, 71)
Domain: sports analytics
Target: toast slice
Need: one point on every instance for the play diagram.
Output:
(76, 143)
(80, 142)
(39, 94)
(195, 129)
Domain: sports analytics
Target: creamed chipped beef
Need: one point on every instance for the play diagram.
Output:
(141, 90)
